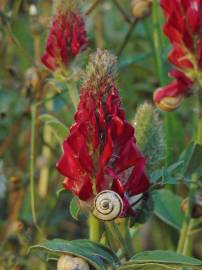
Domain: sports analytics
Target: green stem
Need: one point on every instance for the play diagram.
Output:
(122, 11)
(185, 240)
(124, 227)
(127, 37)
(46, 153)
(199, 131)
(124, 245)
(94, 228)
(32, 157)
(157, 42)
(158, 50)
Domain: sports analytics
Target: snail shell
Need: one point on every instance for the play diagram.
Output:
(108, 205)
(67, 262)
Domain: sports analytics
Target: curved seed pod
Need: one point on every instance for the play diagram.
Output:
(67, 262)
(170, 103)
(108, 205)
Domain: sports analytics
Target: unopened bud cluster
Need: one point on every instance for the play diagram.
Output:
(149, 133)
(141, 8)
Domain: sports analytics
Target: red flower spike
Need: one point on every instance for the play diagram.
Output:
(101, 153)
(183, 28)
(67, 38)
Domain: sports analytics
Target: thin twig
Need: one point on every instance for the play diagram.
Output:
(32, 158)
(122, 11)
(127, 37)
(94, 5)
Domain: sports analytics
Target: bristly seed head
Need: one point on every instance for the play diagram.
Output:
(64, 6)
(100, 70)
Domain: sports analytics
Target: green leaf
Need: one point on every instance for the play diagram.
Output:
(167, 207)
(192, 159)
(164, 256)
(156, 175)
(99, 250)
(165, 174)
(172, 168)
(147, 266)
(167, 179)
(160, 260)
(59, 129)
(95, 254)
(74, 208)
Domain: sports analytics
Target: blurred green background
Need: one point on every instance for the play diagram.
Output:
(23, 81)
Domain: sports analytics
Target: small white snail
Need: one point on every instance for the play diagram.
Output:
(108, 205)
(67, 262)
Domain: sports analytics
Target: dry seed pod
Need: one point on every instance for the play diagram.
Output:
(108, 205)
(141, 8)
(67, 262)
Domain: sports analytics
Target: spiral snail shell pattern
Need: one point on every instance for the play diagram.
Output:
(108, 205)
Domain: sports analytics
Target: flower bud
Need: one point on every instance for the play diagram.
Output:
(149, 134)
(169, 104)
(67, 262)
(196, 211)
(141, 8)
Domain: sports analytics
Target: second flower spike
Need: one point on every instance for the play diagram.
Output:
(67, 36)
